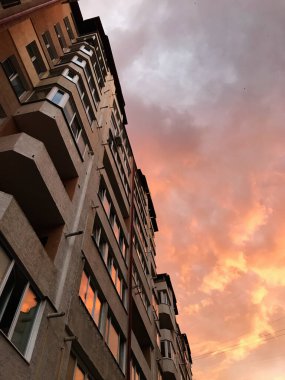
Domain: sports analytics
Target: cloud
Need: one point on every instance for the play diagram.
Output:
(204, 86)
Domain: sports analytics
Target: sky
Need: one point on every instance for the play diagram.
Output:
(204, 85)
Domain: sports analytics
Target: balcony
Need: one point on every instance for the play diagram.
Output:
(45, 122)
(169, 371)
(28, 174)
(166, 319)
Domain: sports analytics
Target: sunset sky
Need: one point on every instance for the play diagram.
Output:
(204, 85)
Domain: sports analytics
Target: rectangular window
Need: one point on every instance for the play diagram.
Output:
(60, 36)
(49, 45)
(9, 3)
(68, 28)
(166, 349)
(18, 305)
(115, 342)
(12, 71)
(91, 298)
(36, 57)
(136, 373)
(163, 297)
(76, 370)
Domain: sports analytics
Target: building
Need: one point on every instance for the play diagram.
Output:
(80, 297)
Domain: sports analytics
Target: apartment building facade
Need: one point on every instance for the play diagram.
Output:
(80, 297)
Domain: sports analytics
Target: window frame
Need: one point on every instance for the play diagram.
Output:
(36, 58)
(32, 336)
(48, 42)
(16, 74)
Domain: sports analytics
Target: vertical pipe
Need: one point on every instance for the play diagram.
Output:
(130, 293)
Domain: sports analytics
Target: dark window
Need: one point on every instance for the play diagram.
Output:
(10, 3)
(2, 113)
(36, 57)
(68, 28)
(12, 71)
(49, 45)
(60, 35)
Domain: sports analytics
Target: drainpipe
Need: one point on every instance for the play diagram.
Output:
(130, 293)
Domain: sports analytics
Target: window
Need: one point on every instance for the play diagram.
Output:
(12, 71)
(87, 50)
(76, 370)
(136, 373)
(62, 99)
(141, 290)
(108, 257)
(2, 112)
(155, 305)
(92, 299)
(60, 36)
(116, 276)
(163, 297)
(36, 57)
(166, 349)
(49, 45)
(68, 28)
(9, 3)
(18, 304)
(116, 342)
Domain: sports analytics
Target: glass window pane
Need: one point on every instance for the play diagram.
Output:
(113, 273)
(106, 205)
(4, 263)
(113, 340)
(76, 128)
(90, 299)
(118, 285)
(57, 97)
(78, 374)
(25, 320)
(68, 112)
(116, 230)
(11, 298)
(18, 85)
(83, 287)
(97, 311)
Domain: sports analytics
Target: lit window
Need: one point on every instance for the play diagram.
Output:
(92, 300)
(115, 342)
(76, 370)
(12, 71)
(18, 304)
(49, 45)
(136, 373)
